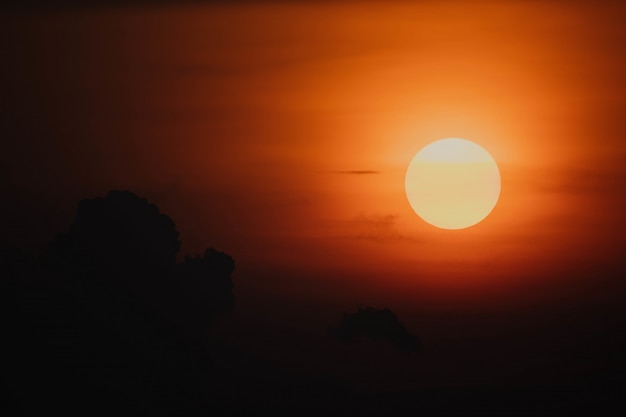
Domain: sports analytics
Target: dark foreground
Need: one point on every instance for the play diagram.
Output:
(105, 321)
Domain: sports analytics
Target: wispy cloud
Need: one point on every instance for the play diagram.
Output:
(376, 227)
(357, 172)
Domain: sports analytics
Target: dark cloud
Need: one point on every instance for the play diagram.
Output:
(378, 227)
(374, 324)
(357, 172)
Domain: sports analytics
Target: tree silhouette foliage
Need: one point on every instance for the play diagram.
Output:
(107, 320)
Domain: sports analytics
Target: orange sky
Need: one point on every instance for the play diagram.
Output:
(281, 133)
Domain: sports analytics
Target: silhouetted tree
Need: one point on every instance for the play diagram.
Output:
(111, 323)
(16, 269)
(123, 241)
(119, 232)
(375, 324)
(209, 276)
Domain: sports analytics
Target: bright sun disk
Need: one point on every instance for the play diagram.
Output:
(452, 183)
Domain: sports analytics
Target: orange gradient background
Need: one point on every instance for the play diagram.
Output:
(280, 133)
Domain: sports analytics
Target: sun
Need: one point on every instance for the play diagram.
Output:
(452, 183)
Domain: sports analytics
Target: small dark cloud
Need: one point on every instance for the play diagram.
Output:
(374, 324)
(376, 227)
(357, 172)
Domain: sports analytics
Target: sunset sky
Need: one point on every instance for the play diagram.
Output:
(280, 133)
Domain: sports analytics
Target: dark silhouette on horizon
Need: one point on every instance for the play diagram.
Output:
(107, 320)
(374, 324)
(126, 240)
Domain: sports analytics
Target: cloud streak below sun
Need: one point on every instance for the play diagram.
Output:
(357, 172)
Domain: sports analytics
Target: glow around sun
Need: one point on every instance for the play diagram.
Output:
(452, 183)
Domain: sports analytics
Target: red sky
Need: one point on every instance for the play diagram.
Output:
(280, 133)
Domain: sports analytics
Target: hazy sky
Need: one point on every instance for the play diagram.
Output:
(281, 132)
